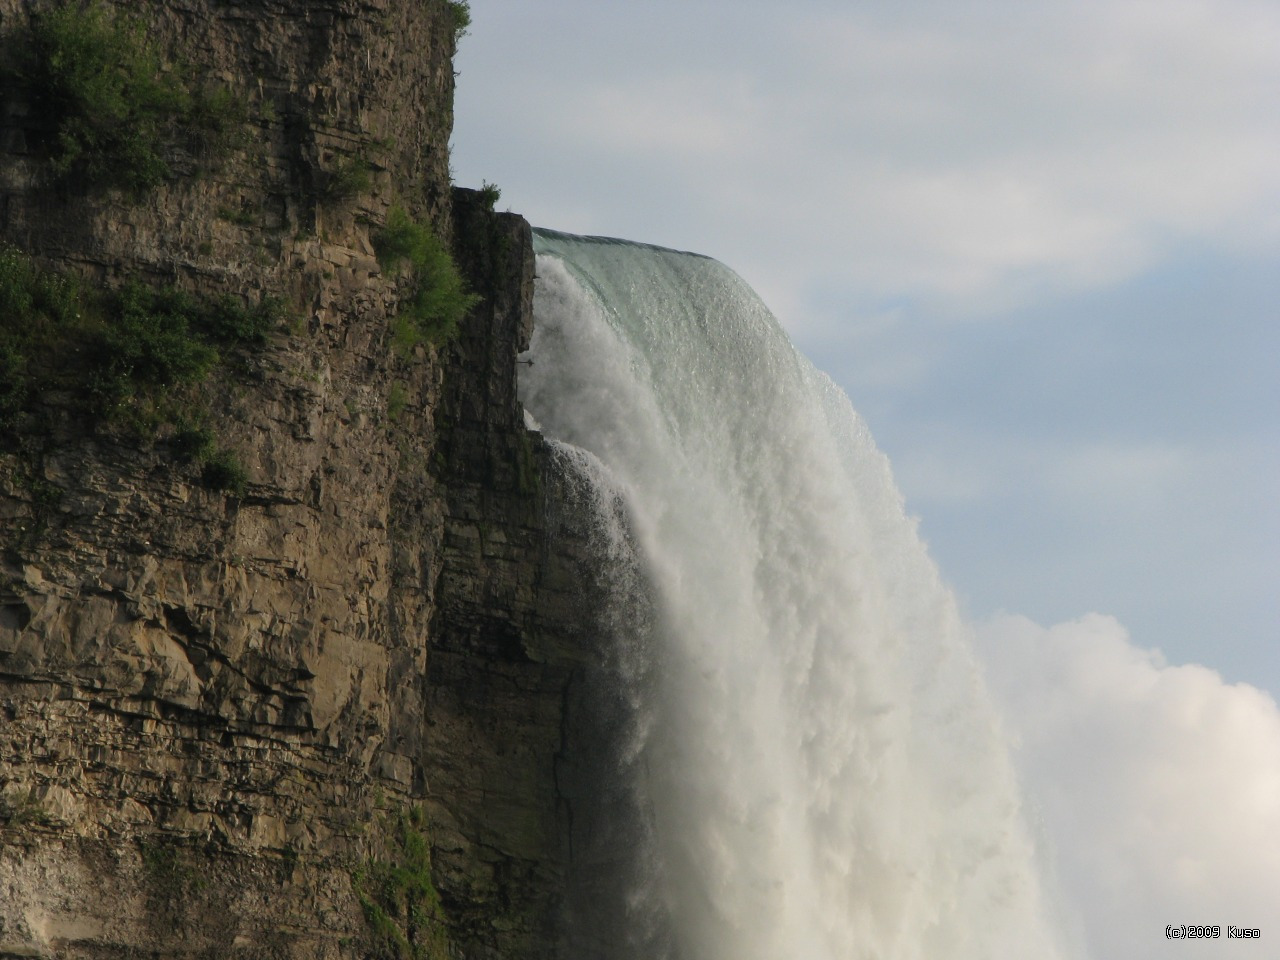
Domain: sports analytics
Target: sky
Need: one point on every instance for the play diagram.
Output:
(1038, 244)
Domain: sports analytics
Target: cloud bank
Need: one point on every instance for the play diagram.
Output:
(972, 156)
(1158, 786)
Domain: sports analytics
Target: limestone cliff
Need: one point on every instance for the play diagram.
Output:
(230, 721)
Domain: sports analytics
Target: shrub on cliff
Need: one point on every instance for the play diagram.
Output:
(146, 341)
(39, 312)
(105, 347)
(121, 356)
(438, 299)
(107, 110)
(460, 13)
(351, 177)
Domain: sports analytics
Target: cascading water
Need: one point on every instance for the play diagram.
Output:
(821, 774)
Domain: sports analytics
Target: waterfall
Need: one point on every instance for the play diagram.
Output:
(821, 774)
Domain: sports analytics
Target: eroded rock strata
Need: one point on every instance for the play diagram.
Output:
(226, 718)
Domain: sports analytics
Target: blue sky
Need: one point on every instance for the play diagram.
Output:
(1116, 450)
(1038, 244)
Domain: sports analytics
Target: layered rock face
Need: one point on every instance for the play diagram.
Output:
(217, 710)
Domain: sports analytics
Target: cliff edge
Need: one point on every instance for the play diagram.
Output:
(288, 647)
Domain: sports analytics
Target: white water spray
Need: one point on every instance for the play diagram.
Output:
(824, 776)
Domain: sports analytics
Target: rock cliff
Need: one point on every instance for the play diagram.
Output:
(324, 713)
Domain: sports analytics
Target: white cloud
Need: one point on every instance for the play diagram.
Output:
(1122, 470)
(1158, 785)
(714, 119)
(1086, 476)
(970, 155)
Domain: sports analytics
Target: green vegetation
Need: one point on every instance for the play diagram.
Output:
(220, 469)
(489, 194)
(18, 811)
(438, 299)
(45, 499)
(405, 335)
(110, 110)
(400, 901)
(460, 11)
(145, 340)
(224, 471)
(193, 441)
(350, 178)
(127, 357)
(397, 398)
(528, 476)
(168, 869)
(240, 217)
